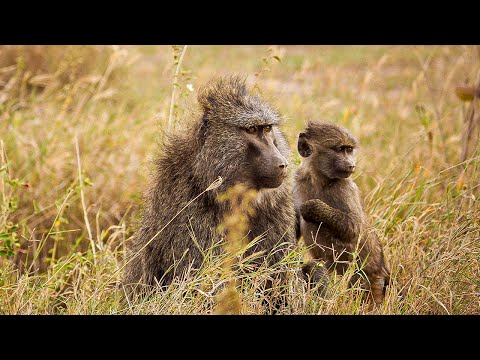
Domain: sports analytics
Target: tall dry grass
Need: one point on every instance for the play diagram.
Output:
(78, 126)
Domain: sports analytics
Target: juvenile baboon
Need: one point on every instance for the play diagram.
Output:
(237, 138)
(331, 215)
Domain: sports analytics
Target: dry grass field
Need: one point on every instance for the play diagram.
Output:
(79, 126)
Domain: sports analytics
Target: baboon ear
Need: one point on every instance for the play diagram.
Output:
(304, 148)
(205, 101)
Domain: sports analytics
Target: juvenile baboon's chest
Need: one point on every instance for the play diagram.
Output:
(314, 233)
(332, 194)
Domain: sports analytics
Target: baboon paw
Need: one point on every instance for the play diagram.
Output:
(316, 276)
(312, 210)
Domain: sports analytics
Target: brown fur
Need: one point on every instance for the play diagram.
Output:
(331, 216)
(217, 144)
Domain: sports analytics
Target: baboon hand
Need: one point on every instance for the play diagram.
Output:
(314, 210)
(315, 273)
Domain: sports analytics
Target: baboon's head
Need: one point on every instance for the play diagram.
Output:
(240, 137)
(329, 148)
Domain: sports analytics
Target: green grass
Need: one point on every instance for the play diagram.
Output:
(117, 99)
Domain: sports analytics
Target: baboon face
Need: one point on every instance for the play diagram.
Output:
(266, 166)
(254, 154)
(330, 149)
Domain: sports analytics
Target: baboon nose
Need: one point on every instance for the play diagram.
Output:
(351, 167)
(283, 165)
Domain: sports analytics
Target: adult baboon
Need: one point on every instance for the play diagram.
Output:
(237, 138)
(332, 217)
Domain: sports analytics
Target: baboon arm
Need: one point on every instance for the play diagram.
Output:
(345, 226)
(298, 232)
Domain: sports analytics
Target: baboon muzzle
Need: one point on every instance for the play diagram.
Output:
(270, 167)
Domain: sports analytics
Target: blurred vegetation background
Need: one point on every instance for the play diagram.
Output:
(415, 110)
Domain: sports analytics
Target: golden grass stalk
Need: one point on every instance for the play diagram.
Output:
(234, 226)
(84, 207)
(174, 87)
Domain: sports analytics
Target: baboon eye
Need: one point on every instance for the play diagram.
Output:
(252, 130)
(346, 148)
(267, 128)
